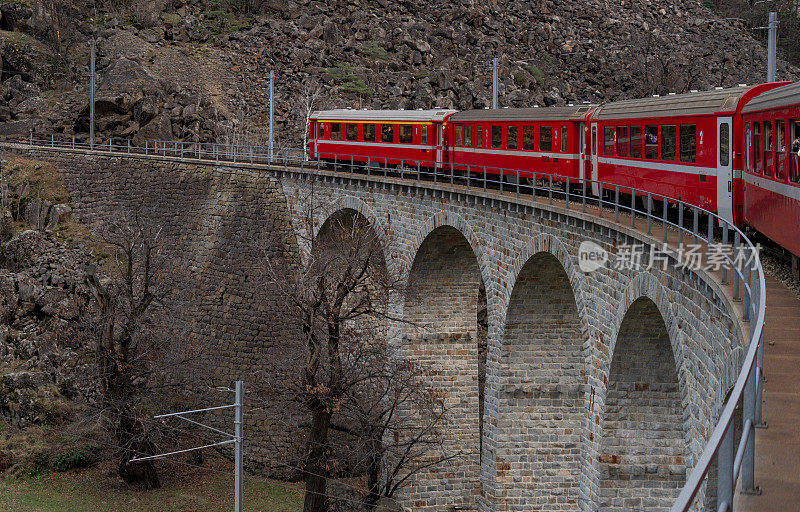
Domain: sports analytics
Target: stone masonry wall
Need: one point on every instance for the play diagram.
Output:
(441, 311)
(541, 416)
(643, 404)
(702, 327)
(218, 223)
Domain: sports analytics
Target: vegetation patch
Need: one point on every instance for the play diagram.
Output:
(373, 50)
(349, 79)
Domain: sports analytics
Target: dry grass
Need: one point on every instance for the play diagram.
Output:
(184, 489)
(35, 178)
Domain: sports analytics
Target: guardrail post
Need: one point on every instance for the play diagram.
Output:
(664, 219)
(680, 222)
(30, 143)
(616, 204)
(649, 213)
(759, 423)
(52, 140)
(73, 141)
(550, 188)
(710, 236)
(419, 177)
(725, 483)
(695, 223)
(600, 200)
(484, 177)
(633, 208)
(747, 290)
(501, 181)
(583, 195)
(736, 267)
(748, 413)
(566, 195)
(725, 245)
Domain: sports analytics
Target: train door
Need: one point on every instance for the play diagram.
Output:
(439, 146)
(595, 186)
(724, 168)
(582, 150)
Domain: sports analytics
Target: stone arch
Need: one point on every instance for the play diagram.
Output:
(327, 209)
(645, 416)
(541, 391)
(440, 332)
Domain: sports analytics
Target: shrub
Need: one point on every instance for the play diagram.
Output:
(80, 457)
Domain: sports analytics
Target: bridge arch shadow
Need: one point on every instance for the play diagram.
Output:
(540, 402)
(642, 459)
(444, 298)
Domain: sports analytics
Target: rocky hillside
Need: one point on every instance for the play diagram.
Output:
(198, 69)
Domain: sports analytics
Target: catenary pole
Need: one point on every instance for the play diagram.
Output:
(91, 95)
(771, 46)
(494, 82)
(236, 438)
(271, 110)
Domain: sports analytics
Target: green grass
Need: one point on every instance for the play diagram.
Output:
(183, 489)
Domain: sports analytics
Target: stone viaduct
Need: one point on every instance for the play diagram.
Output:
(601, 388)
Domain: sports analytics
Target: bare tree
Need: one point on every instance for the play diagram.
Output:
(137, 357)
(310, 96)
(395, 445)
(345, 376)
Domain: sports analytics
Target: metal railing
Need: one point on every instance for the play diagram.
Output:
(740, 269)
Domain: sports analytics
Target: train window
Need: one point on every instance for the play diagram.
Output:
(546, 138)
(780, 155)
(336, 131)
(636, 141)
(479, 136)
(608, 141)
(767, 148)
(321, 130)
(459, 140)
(497, 136)
(794, 155)
(622, 141)
(724, 144)
(669, 141)
(564, 145)
(651, 142)
(406, 134)
(528, 137)
(351, 131)
(689, 142)
(387, 133)
(511, 137)
(424, 135)
(748, 143)
(757, 147)
(467, 136)
(369, 132)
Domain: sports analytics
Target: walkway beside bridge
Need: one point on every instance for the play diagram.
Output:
(778, 446)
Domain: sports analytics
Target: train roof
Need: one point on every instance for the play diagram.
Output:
(347, 114)
(524, 114)
(780, 97)
(692, 103)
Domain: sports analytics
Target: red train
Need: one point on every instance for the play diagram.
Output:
(731, 151)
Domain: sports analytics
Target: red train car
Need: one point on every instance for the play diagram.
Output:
(545, 140)
(680, 146)
(380, 137)
(772, 165)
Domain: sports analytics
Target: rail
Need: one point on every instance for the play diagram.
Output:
(746, 277)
